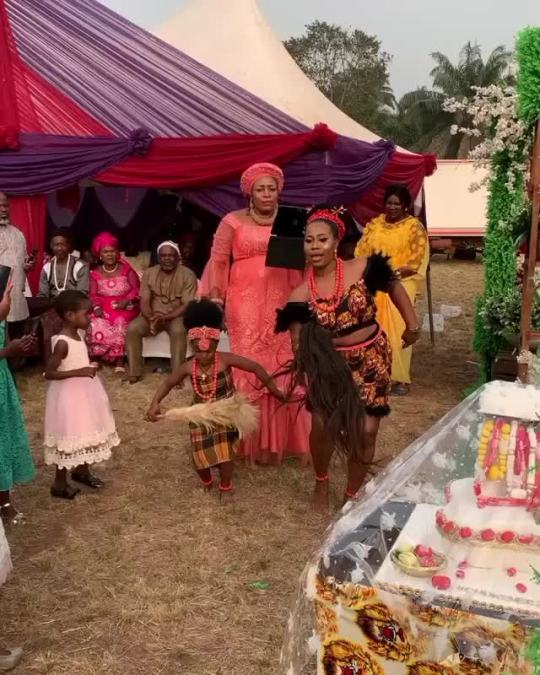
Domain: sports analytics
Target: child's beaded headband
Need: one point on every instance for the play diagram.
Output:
(332, 215)
(204, 334)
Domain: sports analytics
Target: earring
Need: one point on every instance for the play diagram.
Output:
(335, 254)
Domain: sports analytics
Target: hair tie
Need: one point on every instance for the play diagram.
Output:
(333, 216)
(204, 334)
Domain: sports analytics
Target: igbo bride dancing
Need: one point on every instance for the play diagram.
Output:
(340, 351)
(237, 277)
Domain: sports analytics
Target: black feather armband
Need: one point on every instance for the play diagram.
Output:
(379, 275)
(293, 312)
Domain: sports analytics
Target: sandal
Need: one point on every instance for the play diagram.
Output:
(400, 389)
(10, 660)
(87, 479)
(67, 492)
(119, 370)
(17, 519)
(134, 379)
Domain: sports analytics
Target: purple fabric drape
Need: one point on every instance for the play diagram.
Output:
(45, 163)
(337, 177)
(127, 78)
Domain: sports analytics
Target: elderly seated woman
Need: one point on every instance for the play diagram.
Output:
(114, 294)
(166, 290)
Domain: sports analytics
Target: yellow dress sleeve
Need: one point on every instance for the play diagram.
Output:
(418, 245)
(364, 248)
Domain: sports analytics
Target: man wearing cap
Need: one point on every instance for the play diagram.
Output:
(166, 289)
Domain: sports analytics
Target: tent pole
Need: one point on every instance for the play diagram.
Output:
(430, 306)
(423, 218)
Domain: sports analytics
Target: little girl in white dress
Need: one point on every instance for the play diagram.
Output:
(79, 424)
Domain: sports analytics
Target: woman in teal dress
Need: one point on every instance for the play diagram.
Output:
(16, 463)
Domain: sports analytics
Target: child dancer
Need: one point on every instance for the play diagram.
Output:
(211, 376)
(79, 425)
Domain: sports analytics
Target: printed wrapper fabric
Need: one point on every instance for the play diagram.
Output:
(361, 629)
(211, 448)
(253, 293)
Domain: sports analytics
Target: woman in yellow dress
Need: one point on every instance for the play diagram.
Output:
(403, 238)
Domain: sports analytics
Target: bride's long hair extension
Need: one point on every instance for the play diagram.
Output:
(331, 392)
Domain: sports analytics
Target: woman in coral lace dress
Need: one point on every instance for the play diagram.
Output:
(114, 294)
(237, 276)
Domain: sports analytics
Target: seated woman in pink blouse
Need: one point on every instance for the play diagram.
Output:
(114, 294)
(237, 276)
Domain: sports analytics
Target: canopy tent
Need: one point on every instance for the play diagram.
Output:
(240, 44)
(452, 209)
(86, 94)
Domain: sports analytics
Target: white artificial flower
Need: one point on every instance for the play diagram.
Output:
(463, 432)
(440, 460)
(360, 550)
(369, 488)
(488, 653)
(314, 642)
(412, 492)
(388, 521)
(357, 575)
(431, 494)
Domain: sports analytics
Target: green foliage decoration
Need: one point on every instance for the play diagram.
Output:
(499, 257)
(506, 206)
(528, 55)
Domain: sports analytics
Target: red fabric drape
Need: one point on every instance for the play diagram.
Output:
(29, 103)
(403, 168)
(203, 162)
(28, 214)
(9, 117)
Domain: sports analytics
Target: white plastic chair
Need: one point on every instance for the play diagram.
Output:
(159, 346)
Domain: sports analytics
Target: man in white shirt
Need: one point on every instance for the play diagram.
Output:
(13, 254)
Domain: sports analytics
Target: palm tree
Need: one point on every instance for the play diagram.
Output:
(419, 114)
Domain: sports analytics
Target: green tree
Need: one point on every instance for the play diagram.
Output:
(348, 66)
(419, 120)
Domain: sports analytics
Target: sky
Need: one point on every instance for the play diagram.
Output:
(408, 29)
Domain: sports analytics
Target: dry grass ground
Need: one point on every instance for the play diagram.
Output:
(153, 577)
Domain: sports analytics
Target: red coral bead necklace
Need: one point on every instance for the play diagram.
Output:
(332, 301)
(210, 395)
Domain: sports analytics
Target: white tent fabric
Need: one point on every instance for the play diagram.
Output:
(452, 210)
(234, 39)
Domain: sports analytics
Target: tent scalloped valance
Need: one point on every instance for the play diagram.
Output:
(9, 138)
(45, 162)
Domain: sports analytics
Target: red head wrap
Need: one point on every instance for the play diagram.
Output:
(204, 334)
(256, 171)
(333, 216)
(103, 240)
